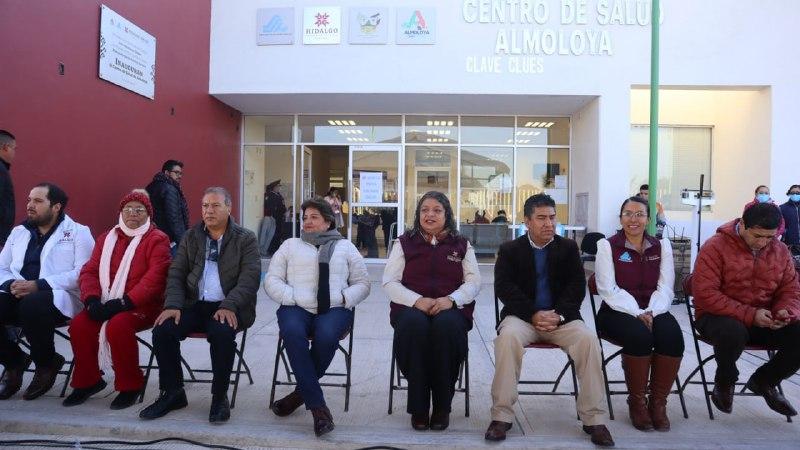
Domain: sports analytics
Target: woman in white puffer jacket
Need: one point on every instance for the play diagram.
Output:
(317, 279)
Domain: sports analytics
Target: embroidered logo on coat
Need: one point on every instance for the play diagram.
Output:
(66, 237)
(454, 257)
(625, 257)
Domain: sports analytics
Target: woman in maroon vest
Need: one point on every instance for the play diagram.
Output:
(432, 280)
(635, 275)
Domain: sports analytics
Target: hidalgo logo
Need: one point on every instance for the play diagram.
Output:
(322, 20)
(369, 25)
(416, 25)
(625, 257)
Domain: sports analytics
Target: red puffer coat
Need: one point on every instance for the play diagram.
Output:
(729, 280)
(147, 277)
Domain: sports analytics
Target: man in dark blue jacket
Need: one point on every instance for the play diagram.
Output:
(791, 218)
(170, 212)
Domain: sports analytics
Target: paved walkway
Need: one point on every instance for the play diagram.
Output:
(542, 422)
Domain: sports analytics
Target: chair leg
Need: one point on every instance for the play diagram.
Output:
(466, 385)
(69, 376)
(146, 376)
(608, 387)
(571, 365)
(348, 365)
(680, 397)
(561, 375)
(238, 374)
(706, 392)
(278, 351)
(780, 389)
(391, 383)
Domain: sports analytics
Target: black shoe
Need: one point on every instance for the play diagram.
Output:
(287, 405)
(125, 399)
(497, 431)
(420, 422)
(44, 378)
(323, 420)
(600, 435)
(440, 421)
(220, 409)
(12, 378)
(775, 400)
(167, 401)
(80, 395)
(722, 396)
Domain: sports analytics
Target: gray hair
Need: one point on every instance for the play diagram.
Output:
(221, 191)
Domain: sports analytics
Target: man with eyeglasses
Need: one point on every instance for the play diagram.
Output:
(170, 211)
(746, 292)
(211, 288)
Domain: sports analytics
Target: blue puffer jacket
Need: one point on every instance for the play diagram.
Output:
(791, 216)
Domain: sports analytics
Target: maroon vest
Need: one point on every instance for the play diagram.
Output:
(636, 273)
(433, 271)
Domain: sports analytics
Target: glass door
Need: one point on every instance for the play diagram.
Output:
(374, 181)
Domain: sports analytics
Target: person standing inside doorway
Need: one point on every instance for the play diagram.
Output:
(275, 207)
(8, 148)
(170, 212)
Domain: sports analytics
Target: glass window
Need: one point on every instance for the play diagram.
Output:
(429, 169)
(350, 129)
(259, 129)
(542, 131)
(543, 170)
(431, 129)
(263, 165)
(486, 188)
(487, 130)
(683, 154)
(373, 229)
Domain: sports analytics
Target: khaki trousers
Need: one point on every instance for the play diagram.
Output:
(575, 339)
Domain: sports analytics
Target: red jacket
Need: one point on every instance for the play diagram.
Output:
(729, 280)
(147, 277)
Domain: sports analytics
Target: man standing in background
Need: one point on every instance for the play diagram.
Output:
(8, 148)
(170, 211)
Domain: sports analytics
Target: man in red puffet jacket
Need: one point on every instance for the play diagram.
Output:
(746, 292)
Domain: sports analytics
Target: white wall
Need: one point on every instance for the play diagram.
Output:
(585, 139)
(717, 43)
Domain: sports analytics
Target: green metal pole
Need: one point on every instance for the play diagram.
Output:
(653, 176)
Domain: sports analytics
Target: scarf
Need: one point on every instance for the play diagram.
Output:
(116, 289)
(184, 207)
(434, 239)
(325, 241)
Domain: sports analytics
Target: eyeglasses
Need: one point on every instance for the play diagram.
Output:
(178, 173)
(631, 214)
(213, 251)
(132, 210)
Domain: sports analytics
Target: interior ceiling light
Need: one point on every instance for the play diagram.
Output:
(340, 131)
(549, 124)
(449, 123)
(330, 122)
(536, 133)
(350, 122)
(430, 123)
(527, 124)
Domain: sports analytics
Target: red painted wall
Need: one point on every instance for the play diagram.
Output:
(95, 139)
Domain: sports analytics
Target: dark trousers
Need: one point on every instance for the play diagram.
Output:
(198, 318)
(429, 352)
(309, 364)
(38, 317)
(666, 337)
(729, 337)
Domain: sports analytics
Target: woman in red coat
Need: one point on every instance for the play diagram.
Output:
(122, 288)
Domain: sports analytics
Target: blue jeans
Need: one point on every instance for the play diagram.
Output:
(309, 364)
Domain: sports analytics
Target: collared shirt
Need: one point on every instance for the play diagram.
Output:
(533, 244)
(32, 263)
(210, 286)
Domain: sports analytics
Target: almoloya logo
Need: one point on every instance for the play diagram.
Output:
(416, 25)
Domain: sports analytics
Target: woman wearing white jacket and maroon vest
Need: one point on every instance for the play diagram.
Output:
(635, 275)
(432, 280)
(317, 279)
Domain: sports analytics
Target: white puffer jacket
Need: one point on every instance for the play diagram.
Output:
(292, 278)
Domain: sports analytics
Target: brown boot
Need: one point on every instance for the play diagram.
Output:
(12, 378)
(662, 376)
(636, 370)
(44, 378)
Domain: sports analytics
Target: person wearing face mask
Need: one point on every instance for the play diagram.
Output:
(122, 288)
(791, 217)
(762, 196)
(317, 279)
(432, 279)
